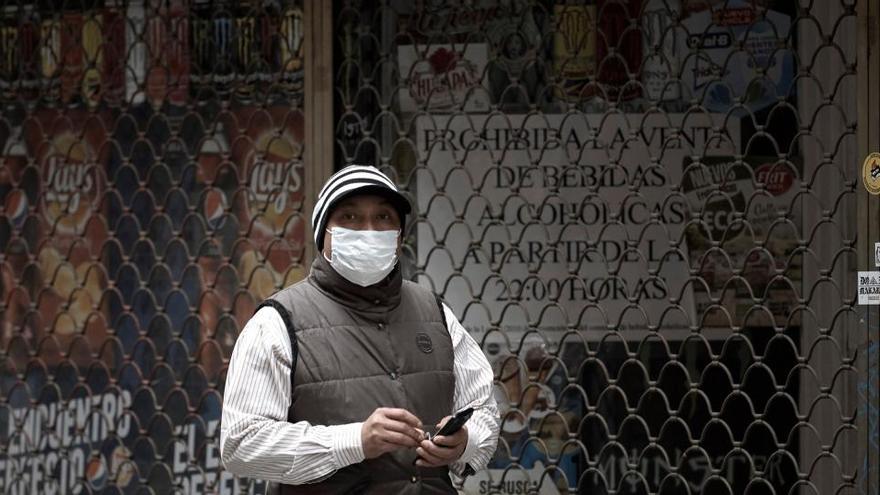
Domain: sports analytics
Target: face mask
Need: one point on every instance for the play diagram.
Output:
(363, 257)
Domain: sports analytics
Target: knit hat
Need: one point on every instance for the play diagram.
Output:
(352, 180)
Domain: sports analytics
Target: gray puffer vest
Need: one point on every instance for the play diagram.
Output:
(357, 349)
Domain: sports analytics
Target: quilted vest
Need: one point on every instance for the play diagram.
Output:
(357, 349)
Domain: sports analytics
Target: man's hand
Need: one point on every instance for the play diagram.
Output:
(389, 429)
(442, 450)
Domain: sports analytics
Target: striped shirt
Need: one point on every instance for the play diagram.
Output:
(257, 441)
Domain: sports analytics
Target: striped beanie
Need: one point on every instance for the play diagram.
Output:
(352, 180)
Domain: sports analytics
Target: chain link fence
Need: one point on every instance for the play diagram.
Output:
(645, 213)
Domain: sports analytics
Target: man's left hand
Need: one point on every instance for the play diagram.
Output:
(442, 450)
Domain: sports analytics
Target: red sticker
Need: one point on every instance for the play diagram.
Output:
(776, 178)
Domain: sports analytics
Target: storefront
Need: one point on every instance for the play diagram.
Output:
(656, 216)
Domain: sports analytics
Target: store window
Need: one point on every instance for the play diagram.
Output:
(151, 195)
(643, 211)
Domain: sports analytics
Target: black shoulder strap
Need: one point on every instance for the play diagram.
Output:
(291, 334)
(442, 313)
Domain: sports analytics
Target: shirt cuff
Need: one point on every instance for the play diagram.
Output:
(347, 446)
(473, 445)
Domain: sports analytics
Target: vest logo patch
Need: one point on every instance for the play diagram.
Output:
(423, 341)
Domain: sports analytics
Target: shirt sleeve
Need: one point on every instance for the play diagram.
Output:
(473, 388)
(256, 440)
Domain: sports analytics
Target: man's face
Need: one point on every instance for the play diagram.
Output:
(361, 212)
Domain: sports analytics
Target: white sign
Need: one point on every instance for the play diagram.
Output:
(512, 481)
(553, 220)
(877, 254)
(443, 77)
(869, 288)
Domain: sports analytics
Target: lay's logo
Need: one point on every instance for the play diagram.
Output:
(71, 179)
(275, 182)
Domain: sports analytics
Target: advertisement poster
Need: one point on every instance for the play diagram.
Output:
(759, 73)
(760, 258)
(19, 60)
(20, 189)
(574, 49)
(869, 288)
(511, 30)
(246, 51)
(68, 149)
(618, 48)
(266, 148)
(92, 443)
(167, 34)
(660, 67)
(36, 59)
(169, 304)
(443, 78)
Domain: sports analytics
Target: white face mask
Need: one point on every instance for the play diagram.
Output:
(363, 257)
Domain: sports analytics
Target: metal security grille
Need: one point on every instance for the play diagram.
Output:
(151, 194)
(645, 212)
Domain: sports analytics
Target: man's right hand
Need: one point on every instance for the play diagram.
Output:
(389, 429)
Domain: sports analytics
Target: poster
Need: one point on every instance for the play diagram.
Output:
(510, 29)
(580, 215)
(721, 74)
(266, 149)
(168, 38)
(68, 151)
(19, 61)
(574, 49)
(443, 78)
(660, 67)
(618, 48)
(760, 259)
(536, 418)
(92, 443)
(869, 288)
(250, 52)
(20, 190)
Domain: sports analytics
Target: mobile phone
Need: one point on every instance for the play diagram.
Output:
(455, 423)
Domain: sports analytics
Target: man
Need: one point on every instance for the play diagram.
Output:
(334, 380)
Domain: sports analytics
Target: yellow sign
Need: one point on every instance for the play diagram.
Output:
(871, 173)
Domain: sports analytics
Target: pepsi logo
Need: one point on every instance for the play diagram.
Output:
(17, 207)
(96, 472)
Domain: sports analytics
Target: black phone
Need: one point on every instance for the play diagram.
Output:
(455, 423)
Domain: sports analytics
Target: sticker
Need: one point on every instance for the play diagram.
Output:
(871, 173)
(869, 288)
(877, 254)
